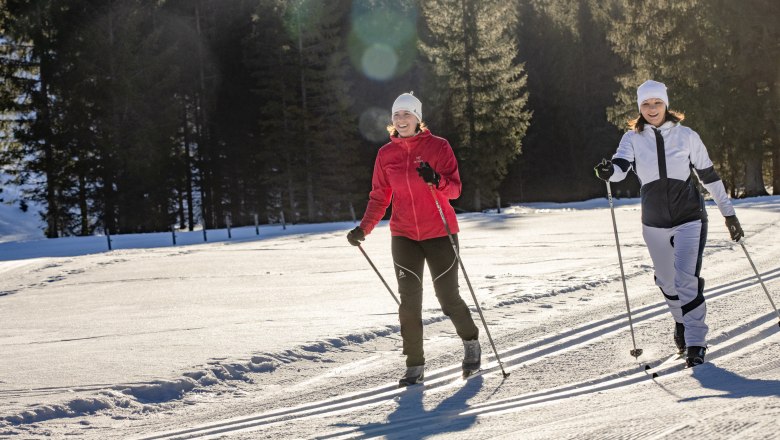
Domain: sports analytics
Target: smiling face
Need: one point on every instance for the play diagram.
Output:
(654, 111)
(405, 123)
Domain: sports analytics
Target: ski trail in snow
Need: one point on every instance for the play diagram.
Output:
(726, 342)
(738, 338)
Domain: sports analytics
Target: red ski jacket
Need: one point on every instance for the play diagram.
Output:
(415, 215)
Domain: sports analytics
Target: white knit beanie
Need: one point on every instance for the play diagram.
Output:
(651, 89)
(410, 103)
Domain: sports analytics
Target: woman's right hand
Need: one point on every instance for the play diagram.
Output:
(604, 169)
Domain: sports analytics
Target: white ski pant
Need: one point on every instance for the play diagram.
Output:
(676, 253)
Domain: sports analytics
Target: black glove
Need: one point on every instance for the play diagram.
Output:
(734, 228)
(355, 236)
(428, 174)
(604, 170)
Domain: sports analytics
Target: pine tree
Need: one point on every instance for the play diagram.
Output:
(29, 42)
(269, 56)
(571, 75)
(480, 87)
(306, 118)
(126, 76)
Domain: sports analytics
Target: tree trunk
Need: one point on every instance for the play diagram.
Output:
(188, 171)
(305, 115)
(208, 200)
(83, 206)
(776, 160)
(52, 209)
(776, 168)
(471, 143)
(109, 214)
(754, 178)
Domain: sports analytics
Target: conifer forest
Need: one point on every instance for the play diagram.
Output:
(141, 115)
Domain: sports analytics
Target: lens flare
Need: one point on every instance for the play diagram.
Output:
(382, 40)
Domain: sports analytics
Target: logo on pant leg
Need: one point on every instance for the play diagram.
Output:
(401, 273)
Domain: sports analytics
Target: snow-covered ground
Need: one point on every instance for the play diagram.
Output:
(291, 334)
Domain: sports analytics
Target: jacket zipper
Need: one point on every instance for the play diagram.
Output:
(409, 187)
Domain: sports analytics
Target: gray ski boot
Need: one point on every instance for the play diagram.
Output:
(472, 357)
(412, 376)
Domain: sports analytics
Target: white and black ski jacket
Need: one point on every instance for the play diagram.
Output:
(663, 159)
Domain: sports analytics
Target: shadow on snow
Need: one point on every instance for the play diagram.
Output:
(731, 385)
(411, 420)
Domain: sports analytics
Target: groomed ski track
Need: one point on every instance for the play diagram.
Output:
(723, 342)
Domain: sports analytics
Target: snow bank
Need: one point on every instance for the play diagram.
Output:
(74, 408)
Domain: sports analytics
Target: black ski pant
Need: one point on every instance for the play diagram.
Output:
(409, 257)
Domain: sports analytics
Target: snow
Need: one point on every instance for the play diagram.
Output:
(291, 334)
(15, 224)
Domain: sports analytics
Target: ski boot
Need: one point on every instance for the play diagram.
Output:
(679, 337)
(472, 357)
(695, 356)
(412, 376)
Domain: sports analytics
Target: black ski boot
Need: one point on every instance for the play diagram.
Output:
(679, 337)
(412, 376)
(695, 356)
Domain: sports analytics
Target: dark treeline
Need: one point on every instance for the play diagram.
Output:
(136, 115)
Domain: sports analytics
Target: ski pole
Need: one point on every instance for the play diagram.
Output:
(465, 275)
(760, 280)
(636, 352)
(379, 274)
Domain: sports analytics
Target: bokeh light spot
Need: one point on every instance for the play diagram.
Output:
(379, 62)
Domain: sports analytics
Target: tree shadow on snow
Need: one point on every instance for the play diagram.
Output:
(411, 420)
(735, 386)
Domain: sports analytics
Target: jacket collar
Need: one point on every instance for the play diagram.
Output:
(666, 126)
(411, 142)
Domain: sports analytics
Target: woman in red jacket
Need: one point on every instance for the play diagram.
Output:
(405, 170)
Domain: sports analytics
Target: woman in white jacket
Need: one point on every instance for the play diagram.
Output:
(662, 153)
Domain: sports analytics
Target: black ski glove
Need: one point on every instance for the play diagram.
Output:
(604, 170)
(734, 228)
(428, 174)
(355, 236)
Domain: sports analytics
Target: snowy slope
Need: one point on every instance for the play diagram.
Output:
(15, 224)
(292, 335)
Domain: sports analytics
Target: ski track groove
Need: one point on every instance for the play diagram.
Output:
(513, 358)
